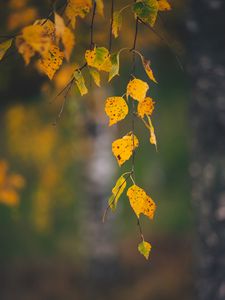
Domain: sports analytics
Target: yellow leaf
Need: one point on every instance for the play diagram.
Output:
(145, 107)
(48, 27)
(116, 109)
(148, 70)
(117, 192)
(4, 47)
(95, 75)
(100, 7)
(124, 147)
(79, 79)
(64, 34)
(141, 202)
(99, 58)
(152, 133)
(117, 23)
(164, 5)
(51, 62)
(137, 89)
(24, 49)
(36, 37)
(77, 8)
(144, 248)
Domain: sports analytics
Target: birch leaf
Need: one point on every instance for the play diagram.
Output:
(147, 11)
(79, 79)
(144, 248)
(24, 49)
(164, 5)
(145, 107)
(77, 8)
(152, 139)
(100, 7)
(4, 47)
(124, 147)
(148, 70)
(117, 192)
(51, 62)
(141, 202)
(117, 23)
(114, 71)
(116, 109)
(99, 58)
(64, 34)
(137, 89)
(35, 36)
(95, 75)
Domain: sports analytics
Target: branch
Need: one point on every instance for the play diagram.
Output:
(92, 25)
(111, 25)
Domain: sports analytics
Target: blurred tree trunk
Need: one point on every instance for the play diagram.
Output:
(100, 170)
(206, 41)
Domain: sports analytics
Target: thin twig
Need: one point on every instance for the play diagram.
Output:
(111, 25)
(140, 229)
(165, 41)
(92, 25)
(133, 105)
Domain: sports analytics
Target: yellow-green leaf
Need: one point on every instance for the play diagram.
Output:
(147, 11)
(4, 47)
(117, 23)
(99, 58)
(124, 147)
(116, 109)
(144, 248)
(137, 89)
(95, 75)
(141, 202)
(117, 192)
(114, 71)
(79, 79)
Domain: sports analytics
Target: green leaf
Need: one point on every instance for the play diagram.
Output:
(95, 75)
(117, 23)
(144, 248)
(101, 55)
(117, 192)
(115, 65)
(4, 47)
(79, 79)
(147, 11)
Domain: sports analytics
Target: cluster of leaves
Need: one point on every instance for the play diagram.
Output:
(52, 40)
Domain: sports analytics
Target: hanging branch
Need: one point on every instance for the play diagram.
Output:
(92, 25)
(111, 24)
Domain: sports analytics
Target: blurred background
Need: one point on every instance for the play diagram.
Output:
(55, 179)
